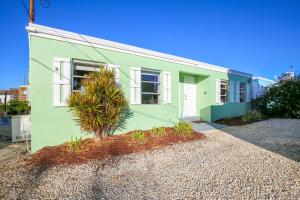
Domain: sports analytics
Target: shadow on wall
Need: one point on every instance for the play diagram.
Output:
(122, 124)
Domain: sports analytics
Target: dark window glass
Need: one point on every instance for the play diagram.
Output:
(242, 92)
(80, 70)
(150, 87)
(149, 99)
(151, 78)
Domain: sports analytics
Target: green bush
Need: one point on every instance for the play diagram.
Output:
(101, 108)
(281, 99)
(16, 107)
(183, 128)
(138, 135)
(158, 131)
(75, 145)
(252, 116)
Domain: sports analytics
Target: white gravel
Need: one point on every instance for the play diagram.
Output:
(219, 167)
(281, 136)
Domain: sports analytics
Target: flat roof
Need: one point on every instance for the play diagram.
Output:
(57, 34)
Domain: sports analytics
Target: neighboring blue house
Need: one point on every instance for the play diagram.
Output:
(258, 85)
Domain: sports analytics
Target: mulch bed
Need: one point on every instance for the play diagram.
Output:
(107, 147)
(234, 121)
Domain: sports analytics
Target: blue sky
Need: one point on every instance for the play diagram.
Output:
(256, 36)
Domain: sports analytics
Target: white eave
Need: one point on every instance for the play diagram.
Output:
(57, 34)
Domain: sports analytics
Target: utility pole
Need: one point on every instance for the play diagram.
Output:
(31, 11)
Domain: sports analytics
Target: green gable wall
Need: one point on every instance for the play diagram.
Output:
(55, 125)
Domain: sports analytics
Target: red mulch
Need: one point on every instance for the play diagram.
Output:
(234, 121)
(107, 147)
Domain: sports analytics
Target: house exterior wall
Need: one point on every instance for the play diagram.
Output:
(55, 125)
(258, 85)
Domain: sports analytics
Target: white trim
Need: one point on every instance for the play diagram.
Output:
(179, 101)
(57, 34)
(231, 91)
(167, 87)
(238, 92)
(61, 85)
(218, 91)
(135, 85)
(58, 59)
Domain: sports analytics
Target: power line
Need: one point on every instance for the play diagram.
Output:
(44, 4)
(25, 7)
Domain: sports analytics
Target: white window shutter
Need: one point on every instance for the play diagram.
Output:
(248, 92)
(135, 85)
(116, 68)
(61, 81)
(167, 87)
(231, 91)
(237, 92)
(218, 91)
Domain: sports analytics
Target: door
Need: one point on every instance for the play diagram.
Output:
(189, 100)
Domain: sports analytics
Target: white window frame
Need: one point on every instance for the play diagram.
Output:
(224, 82)
(61, 81)
(244, 92)
(167, 87)
(135, 85)
(91, 69)
(151, 72)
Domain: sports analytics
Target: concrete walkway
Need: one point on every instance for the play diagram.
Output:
(207, 127)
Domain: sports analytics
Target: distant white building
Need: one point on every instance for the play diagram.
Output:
(258, 85)
(2, 98)
(290, 74)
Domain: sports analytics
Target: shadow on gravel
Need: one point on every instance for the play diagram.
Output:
(281, 136)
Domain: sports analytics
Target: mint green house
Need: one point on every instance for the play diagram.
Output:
(161, 88)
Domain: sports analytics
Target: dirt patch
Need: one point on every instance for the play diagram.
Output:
(110, 146)
(234, 121)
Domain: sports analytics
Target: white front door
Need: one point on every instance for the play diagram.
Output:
(189, 99)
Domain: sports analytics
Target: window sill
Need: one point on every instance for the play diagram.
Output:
(160, 104)
(60, 105)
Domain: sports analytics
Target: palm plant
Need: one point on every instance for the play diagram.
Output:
(101, 107)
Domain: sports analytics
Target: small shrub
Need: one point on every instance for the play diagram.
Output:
(16, 107)
(183, 128)
(75, 145)
(101, 107)
(158, 131)
(252, 116)
(138, 136)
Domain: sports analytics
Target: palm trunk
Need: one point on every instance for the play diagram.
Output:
(100, 134)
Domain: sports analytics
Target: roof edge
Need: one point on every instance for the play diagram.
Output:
(48, 32)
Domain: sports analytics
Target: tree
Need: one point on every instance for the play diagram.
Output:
(101, 107)
(16, 107)
(281, 99)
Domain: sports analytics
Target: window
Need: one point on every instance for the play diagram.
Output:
(224, 91)
(242, 92)
(150, 87)
(80, 70)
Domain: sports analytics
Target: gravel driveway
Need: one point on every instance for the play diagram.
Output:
(281, 136)
(220, 166)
